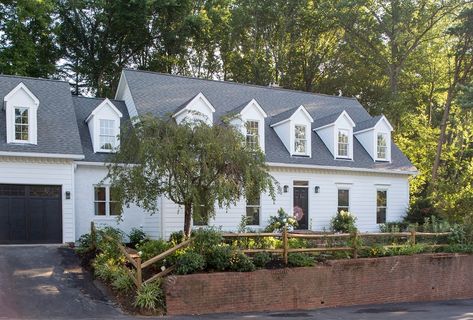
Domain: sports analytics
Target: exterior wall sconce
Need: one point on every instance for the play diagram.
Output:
(68, 195)
(286, 188)
(317, 189)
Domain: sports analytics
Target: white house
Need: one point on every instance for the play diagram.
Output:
(326, 152)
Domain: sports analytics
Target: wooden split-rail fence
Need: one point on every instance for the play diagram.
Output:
(353, 239)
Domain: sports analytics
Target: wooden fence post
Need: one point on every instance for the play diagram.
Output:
(93, 235)
(355, 244)
(413, 236)
(139, 276)
(285, 244)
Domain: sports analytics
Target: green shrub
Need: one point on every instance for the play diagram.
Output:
(435, 224)
(343, 222)
(105, 267)
(190, 262)
(151, 297)
(459, 248)
(84, 244)
(107, 239)
(261, 259)
(277, 223)
(300, 260)
(241, 262)
(393, 227)
(152, 248)
(176, 237)
(407, 250)
(218, 258)
(205, 239)
(121, 280)
(295, 243)
(137, 236)
(422, 208)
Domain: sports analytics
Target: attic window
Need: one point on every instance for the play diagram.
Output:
(382, 146)
(343, 143)
(21, 124)
(300, 141)
(107, 135)
(252, 135)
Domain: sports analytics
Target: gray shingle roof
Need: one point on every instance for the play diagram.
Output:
(83, 107)
(327, 120)
(370, 123)
(160, 94)
(282, 116)
(57, 129)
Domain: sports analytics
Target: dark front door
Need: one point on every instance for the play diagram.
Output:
(30, 214)
(301, 207)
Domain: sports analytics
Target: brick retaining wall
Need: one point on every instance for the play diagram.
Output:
(423, 277)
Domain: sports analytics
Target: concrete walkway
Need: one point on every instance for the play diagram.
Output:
(46, 282)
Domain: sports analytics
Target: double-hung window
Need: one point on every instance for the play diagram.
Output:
(300, 139)
(343, 200)
(107, 136)
(381, 205)
(105, 202)
(253, 208)
(252, 134)
(382, 146)
(343, 143)
(21, 124)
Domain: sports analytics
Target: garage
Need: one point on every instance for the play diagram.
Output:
(30, 214)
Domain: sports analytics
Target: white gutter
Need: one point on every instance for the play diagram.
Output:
(305, 166)
(41, 155)
(90, 163)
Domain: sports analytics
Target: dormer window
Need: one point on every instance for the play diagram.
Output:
(21, 107)
(107, 135)
(104, 127)
(382, 148)
(343, 143)
(21, 124)
(252, 134)
(300, 139)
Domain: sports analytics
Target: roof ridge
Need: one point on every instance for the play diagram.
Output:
(96, 98)
(31, 78)
(242, 84)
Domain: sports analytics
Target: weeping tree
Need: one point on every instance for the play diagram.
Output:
(193, 164)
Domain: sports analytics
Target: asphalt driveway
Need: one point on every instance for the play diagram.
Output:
(46, 282)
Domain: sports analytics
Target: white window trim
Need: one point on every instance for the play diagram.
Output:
(107, 203)
(259, 130)
(388, 146)
(376, 203)
(347, 188)
(259, 215)
(349, 144)
(114, 136)
(295, 139)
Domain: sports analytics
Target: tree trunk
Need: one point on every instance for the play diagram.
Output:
(443, 130)
(187, 220)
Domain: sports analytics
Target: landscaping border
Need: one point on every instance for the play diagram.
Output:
(423, 277)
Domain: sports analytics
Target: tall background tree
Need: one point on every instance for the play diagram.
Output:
(408, 59)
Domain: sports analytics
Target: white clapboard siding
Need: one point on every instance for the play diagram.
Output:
(133, 217)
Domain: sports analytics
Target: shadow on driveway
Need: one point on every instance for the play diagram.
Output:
(44, 282)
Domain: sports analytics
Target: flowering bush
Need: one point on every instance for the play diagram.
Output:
(277, 223)
(344, 222)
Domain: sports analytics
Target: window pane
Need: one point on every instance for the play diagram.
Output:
(300, 146)
(381, 215)
(381, 200)
(382, 145)
(252, 216)
(343, 143)
(300, 132)
(199, 216)
(100, 194)
(343, 198)
(252, 134)
(99, 208)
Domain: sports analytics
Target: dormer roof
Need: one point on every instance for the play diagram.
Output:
(189, 102)
(244, 106)
(287, 115)
(331, 119)
(371, 123)
(21, 86)
(104, 104)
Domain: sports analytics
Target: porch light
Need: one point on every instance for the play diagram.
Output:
(286, 188)
(317, 189)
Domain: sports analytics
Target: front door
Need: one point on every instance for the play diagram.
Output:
(301, 207)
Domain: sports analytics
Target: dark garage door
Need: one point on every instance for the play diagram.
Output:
(30, 214)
